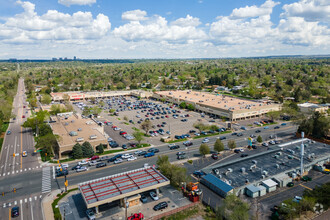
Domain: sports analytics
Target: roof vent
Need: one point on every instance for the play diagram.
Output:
(254, 162)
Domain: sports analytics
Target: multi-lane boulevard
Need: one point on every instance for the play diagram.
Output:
(16, 171)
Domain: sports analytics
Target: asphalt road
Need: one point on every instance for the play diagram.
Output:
(17, 172)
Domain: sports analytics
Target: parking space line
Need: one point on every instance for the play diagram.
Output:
(305, 187)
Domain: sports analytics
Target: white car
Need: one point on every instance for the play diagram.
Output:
(93, 163)
(118, 160)
(83, 162)
(81, 169)
(117, 129)
(153, 195)
(206, 140)
(24, 154)
(131, 158)
(137, 152)
(126, 156)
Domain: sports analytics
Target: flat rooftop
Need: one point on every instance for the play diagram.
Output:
(216, 101)
(255, 165)
(115, 187)
(84, 128)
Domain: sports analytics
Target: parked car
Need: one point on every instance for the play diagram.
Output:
(160, 206)
(143, 198)
(90, 214)
(8, 132)
(222, 138)
(136, 216)
(153, 195)
(142, 153)
(102, 164)
(265, 144)
(258, 131)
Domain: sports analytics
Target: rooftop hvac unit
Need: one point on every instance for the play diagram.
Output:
(230, 170)
(92, 137)
(263, 176)
(243, 169)
(247, 181)
(277, 166)
(216, 171)
(254, 162)
(276, 156)
(253, 167)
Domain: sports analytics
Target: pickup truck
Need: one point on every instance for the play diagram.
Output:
(150, 154)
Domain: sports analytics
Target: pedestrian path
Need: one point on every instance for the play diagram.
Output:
(20, 171)
(21, 201)
(46, 184)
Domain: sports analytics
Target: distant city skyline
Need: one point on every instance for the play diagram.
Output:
(108, 29)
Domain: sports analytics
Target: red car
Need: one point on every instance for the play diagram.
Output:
(23, 116)
(215, 156)
(122, 132)
(24, 106)
(136, 216)
(95, 157)
(114, 126)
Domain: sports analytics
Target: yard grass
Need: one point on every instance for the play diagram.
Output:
(135, 129)
(175, 141)
(196, 211)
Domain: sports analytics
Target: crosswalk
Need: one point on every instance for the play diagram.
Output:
(21, 201)
(46, 182)
(19, 171)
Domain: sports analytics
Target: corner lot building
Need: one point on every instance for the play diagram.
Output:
(72, 129)
(228, 107)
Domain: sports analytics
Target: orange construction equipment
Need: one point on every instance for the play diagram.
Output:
(192, 186)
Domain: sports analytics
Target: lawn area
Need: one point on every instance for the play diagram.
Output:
(198, 210)
(56, 210)
(175, 141)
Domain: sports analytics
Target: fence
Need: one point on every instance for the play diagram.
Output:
(172, 211)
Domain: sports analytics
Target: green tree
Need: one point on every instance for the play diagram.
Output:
(231, 144)
(191, 107)
(274, 115)
(44, 129)
(183, 105)
(46, 99)
(204, 149)
(138, 136)
(111, 111)
(233, 208)
(200, 126)
(100, 148)
(87, 149)
(219, 146)
(146, 126)
(259, 139)
(77, 152)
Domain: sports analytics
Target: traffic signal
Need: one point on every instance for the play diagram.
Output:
(66, 183)
(13, 154)
(46, 154)
(3, 193)
(14, 190)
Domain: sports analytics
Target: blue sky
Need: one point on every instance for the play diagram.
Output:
(163, 29)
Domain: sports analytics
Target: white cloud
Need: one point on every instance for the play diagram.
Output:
(187, 21)
(310, 10)
(68, 3)
(254, 11)
(156, 28)
(28, 26)
(135, 15)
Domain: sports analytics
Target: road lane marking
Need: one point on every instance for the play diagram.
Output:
(15, 203)
(4, 205)
(14, 152)
(30, 199)
(25, 200)
(21, 144)
(35, 198)
(305, 187)
(9, 204)
(7, 158)
(53, 172)
(20, 202)
(32, 211)
(9, 213)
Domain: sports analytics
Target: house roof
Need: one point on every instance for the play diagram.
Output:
(217, 182)
(253, 188)
(269, 183)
